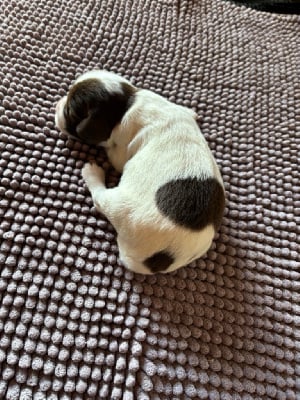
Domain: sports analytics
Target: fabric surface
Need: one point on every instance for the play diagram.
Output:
(74, 324)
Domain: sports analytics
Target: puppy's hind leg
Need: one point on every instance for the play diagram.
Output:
(94, 177)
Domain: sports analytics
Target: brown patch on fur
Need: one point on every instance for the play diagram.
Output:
(192, 202)
(159, 262)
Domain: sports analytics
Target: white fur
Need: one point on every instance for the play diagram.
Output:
(112, 81)
(59, 114)
(147, 148)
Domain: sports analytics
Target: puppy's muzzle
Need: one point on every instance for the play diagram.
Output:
(59, 113)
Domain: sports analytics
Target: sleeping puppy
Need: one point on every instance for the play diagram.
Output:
(170, 199)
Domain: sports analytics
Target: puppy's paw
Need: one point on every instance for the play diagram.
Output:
(93, 174)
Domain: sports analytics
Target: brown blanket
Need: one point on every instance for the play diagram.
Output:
(74, 324)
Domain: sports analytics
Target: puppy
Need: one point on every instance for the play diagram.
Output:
(170, 199)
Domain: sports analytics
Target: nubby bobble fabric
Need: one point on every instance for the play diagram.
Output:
(74, 324)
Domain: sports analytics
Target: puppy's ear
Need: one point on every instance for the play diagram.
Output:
(94, 129)
(93, 110)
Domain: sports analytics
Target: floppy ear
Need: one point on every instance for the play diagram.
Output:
(92, 111)
(94, 128)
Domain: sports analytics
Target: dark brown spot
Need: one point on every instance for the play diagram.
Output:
(159, 262)
(192, 202)
(91, 111)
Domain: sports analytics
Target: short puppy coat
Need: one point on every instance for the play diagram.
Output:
(170, 198)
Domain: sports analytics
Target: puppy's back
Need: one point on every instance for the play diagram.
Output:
(172, 194)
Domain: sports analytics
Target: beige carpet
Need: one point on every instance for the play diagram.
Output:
(74, 324)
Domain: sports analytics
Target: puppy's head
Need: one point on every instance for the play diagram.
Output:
(95, 104)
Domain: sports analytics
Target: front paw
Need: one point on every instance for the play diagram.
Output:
(93, 174)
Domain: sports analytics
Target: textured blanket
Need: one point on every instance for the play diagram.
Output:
(74, 324)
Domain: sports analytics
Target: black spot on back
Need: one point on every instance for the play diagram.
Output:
(91, 111)
(192, 202)
(159, 262)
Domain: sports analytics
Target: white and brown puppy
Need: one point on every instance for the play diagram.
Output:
(170, 199)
